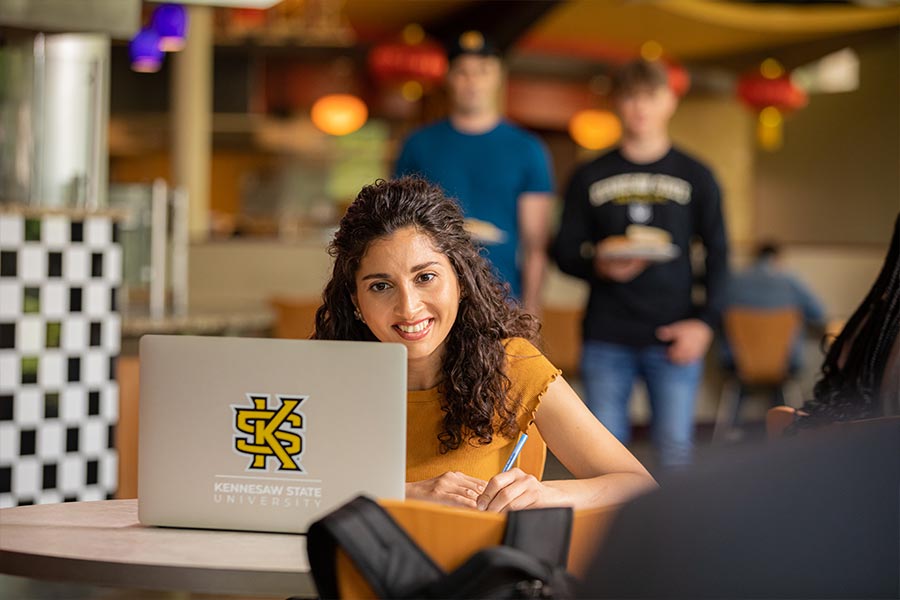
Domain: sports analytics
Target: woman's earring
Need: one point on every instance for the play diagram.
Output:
(358, 316)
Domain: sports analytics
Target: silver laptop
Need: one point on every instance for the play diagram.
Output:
(265, 434)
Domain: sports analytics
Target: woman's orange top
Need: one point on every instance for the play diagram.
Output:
(530, 374)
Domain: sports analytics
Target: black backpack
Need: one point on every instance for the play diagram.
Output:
(531, 563)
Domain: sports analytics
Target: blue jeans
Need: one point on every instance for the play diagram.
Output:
(609, 371)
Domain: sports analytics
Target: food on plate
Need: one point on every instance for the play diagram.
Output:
(485, 232)
(648, 236)
(640, 241)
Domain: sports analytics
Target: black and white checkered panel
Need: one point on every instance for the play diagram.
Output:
(59, 340)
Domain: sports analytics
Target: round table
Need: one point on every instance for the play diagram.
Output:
(102, 543)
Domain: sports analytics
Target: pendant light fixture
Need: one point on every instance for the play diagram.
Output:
(146, 56)
(170, 21)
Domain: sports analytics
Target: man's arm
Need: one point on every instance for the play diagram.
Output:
(573, 249)
(689, 339)
(534, 218)
(813, 310)
(711, 229)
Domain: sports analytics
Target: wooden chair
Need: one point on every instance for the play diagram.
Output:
(779, 418)
(128, 370)
(760, 341)
(533, 456)
(561, 330)
(295, 318)
(451, 535)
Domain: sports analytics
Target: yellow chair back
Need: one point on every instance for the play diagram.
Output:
(451, 535)
(295, 318)
(760, 341)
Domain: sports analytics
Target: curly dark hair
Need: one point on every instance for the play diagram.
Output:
(473, 385)
(855, 363)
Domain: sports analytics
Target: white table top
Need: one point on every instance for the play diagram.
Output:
(102, 543)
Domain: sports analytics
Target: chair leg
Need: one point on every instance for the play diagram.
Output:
(778, 398)
(728, 401)
(795, 399)
(739, 394)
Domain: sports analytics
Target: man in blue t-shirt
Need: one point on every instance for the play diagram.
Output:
(499, 173)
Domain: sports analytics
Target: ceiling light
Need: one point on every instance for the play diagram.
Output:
(170, 22)
(146, 56)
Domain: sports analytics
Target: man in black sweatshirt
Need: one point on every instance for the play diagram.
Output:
(640, 319)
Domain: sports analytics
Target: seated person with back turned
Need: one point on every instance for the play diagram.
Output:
(766, 285)
(406, 271)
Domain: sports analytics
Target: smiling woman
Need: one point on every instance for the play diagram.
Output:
(407, 272)
(407, 292)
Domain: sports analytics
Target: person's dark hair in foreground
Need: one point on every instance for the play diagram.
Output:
(860, 371)
(811, 516)
(474, 383)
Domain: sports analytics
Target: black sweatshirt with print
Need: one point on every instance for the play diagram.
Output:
(676, 193)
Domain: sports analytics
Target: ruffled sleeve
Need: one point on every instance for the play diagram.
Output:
(530, 375)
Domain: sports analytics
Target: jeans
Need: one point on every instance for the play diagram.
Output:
(609, 371)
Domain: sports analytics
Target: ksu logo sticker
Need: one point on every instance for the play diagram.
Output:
(273, 432)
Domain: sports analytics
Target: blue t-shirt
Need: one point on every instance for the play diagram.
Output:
(486, 173)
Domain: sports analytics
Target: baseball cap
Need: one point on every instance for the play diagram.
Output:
(471, 42)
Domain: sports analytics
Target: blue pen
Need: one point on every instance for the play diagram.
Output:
(515, 452)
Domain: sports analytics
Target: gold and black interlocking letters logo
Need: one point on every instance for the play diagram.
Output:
(275, 432)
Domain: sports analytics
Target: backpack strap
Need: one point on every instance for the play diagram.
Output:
(388, 559)
(495, 572)
(541, 532)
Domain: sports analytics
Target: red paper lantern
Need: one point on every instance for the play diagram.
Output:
(758, 92)
(398, 62)
(247, 18)
(770, 92)
(679, 79)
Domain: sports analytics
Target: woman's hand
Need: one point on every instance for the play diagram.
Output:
(453, 488)
(515, 490)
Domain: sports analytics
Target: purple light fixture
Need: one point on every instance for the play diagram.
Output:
(170, 21)
(146, 56)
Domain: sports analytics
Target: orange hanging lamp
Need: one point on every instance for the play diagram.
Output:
(595, 129)
(339, 114)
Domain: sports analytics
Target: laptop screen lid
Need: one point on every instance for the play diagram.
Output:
(266, 434)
